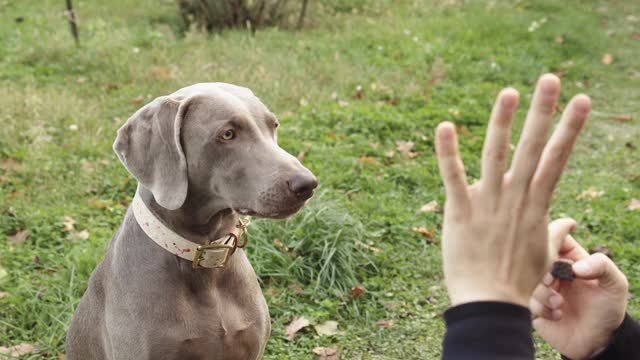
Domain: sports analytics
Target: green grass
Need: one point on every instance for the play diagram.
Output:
(417, 62)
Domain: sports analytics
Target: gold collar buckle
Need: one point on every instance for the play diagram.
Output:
(230, 248)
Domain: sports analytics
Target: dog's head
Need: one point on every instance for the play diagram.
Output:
(218, 144)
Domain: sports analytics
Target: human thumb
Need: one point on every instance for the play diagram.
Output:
(599, 267)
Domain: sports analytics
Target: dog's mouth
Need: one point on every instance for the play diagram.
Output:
(281, 213)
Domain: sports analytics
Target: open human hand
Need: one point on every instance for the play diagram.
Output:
(495, 244)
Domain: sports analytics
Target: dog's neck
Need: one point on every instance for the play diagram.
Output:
(195, 220)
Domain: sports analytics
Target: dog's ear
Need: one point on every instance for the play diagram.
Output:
(148, 145)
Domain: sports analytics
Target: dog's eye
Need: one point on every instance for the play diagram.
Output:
(229, 135)
(276, 125)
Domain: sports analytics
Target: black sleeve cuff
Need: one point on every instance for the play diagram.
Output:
(626, 342)
(488, 330)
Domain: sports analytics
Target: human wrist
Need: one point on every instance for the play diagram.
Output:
(463, 294)
(600, 346)
(604, 341)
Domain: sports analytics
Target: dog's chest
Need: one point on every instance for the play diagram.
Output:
(221, 331)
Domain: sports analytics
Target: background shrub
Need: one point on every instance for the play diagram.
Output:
(219, 14)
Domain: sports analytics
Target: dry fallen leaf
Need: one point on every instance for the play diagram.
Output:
(326, 353)
(284, 248)
(357, 291)
(463, 130)
(385, 323)
(405, 146)
(390, 154)
(69, 223)
(296, 325)
(3, 294)
(11, 164)
(100, 204)
(427, 234)
(367, 159)
(62, 356)
(297, 289)
(137, 99)
(110, 87)
(327, 328)
(271, 291)
(559, 39)
(607, 59)
(591, 192)
(280, 245)
(430, 207)
(634, 205)
(301, 156)
(454, 111)
(159, 73)
(17, 350)
(84, 234)
(19, 237)
(621, 118)
(368, 247)
(561, 72)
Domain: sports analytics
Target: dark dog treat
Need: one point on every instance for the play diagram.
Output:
(563, 270)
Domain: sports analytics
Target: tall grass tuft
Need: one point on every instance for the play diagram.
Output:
(316, 248)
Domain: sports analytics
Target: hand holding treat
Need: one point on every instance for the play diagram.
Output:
(495, 243)
(579, 317)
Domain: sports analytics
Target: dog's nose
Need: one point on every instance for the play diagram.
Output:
(302, 185)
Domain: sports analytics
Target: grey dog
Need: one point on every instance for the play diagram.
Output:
(202, 156)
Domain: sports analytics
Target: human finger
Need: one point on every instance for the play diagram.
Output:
(558, 150)
(571, 249)
(545, 303)
(535, 132)
(495, 153)
(450, 164)
(558, 231)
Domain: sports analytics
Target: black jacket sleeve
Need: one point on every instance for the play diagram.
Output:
(625, 344)
(488, 331)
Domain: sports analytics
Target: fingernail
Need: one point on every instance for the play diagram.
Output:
(582, 103)
(509, 99)
(547, 280)
(549, 84)
(582, 268)
(555, 301)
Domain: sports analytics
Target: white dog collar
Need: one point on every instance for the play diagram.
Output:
(215, 254)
